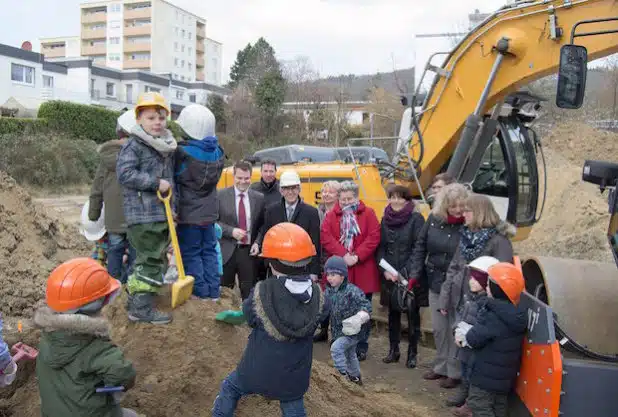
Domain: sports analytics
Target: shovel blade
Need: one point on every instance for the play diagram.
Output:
(22, 351)
(182, 290)
(231, 317)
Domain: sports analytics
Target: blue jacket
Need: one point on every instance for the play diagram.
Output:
(5, 354)
(346, 301)
(199, 164)
(497, 339)
(277, 360)
(140, 168)
(219, 234)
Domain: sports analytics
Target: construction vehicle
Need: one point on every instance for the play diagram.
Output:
(475, 123)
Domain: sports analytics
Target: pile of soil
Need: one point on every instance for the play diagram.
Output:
(579, 141)
(32, 243)
(180, 368)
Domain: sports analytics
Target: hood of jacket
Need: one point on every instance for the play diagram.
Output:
(514, 317)
(67, 335)
(108, 152)
(506, 229)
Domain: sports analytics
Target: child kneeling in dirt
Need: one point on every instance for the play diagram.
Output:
(496, 339)
(350, 311)
(146, 165)
(284, 312)
(76, 354)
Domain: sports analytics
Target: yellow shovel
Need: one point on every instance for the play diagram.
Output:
(183, 288)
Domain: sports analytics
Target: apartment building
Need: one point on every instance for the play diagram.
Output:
(148, 35)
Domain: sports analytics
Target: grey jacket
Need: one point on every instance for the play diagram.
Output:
(456, 284)
(468, 314)
(228, 218)
(140, 168)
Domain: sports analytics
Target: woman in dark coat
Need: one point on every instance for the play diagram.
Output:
(432, 256)
(400, 227)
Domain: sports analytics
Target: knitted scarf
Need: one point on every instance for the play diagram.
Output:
(395, 219)
(349, 226)
(472, 244)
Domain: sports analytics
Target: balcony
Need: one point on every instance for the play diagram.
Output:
(137, 47)
(199, 47)
(199, 76)
(200, 32)
(138, 30)
(200, 62)
(136, 64)
(140, 13)
(99, 17)
(88, 50)
(59, 52)
(94, 33)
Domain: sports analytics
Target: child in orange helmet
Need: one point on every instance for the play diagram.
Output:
(76, 355)
(497, 339)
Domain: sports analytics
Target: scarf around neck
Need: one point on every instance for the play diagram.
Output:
(349, 226)
(164, 144)
(472, 244)
(397, 219)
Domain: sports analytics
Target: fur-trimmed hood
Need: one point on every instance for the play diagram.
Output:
(506, 229)
(67, 334)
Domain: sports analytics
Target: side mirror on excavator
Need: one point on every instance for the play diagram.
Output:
(572, 76)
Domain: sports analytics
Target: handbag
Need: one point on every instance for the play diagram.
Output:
(402, 299)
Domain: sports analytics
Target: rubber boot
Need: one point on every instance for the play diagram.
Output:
(411, 361)
(459, 398)
(393, 354)
(141, 309)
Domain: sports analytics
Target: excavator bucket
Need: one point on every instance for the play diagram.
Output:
(183, 287)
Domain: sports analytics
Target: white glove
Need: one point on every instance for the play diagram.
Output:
(460, 333)
(8, 374)
(352, 325)
(171, 275)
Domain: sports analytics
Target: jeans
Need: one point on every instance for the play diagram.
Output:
(231, 392)
(363, 342)
(343, 352)
(118, 245)
(198, 247)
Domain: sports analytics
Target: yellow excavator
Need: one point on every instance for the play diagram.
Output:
(475, 124)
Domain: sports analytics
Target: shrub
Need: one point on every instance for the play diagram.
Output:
(82, 121)
(15, 125)
(48, 159)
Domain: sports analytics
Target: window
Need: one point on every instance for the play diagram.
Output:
(182, 77)
(190, 49)
(97, 26)
(183, 18)
(182, 48)
(110, 89)
(176, 62)
(114, 24)
(177, 14)
(192, 98)
(189, 35)
(183, 33)
(114, 41)
(139, 39)
(140, 57)
(129, 93)
(182, 64)
(114, 8)
(22, 74)
(114, 57)
(175, 46)
(180, 94)
(190, 66)
(148, 88)
(48, 81)
(176, 28)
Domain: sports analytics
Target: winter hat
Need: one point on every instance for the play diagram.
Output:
(336, 265)
(479, 276)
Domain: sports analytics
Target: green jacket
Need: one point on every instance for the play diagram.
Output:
(106, 188)
(76, 356)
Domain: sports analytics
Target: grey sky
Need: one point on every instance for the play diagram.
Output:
(339, 36)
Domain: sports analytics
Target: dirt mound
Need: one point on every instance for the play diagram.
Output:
(32, 243)
(180, 368)
(578, 141)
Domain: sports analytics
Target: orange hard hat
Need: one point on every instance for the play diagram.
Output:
(287, 242)
(509, 278)
(78, 282)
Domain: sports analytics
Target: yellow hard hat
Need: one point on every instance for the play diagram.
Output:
(151, 99)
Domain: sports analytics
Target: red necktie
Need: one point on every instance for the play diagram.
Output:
(242, 216)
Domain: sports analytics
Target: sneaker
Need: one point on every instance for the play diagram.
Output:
(355, 379)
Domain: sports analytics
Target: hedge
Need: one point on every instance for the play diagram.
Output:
(80, 120)
(9, 125)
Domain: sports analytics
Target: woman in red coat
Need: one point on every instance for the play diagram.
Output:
(352, 230)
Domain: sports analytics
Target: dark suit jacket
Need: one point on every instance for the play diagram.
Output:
(305, 216)
(228, 219)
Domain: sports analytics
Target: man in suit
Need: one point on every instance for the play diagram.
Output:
(290, 208)
(241, 217)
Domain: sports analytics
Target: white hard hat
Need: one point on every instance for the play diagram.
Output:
(483, 263)
(92, 231)
(126, 121)
(289, 179)
(197, 121)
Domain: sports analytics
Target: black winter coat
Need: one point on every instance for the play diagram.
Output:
(271, 192)
(433, 252)
(396, 247)
(305, 216)
(497, 339)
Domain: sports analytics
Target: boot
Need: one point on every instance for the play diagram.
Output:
(141, 309)
(459, 398)
(449, 383)
(411, 362)
(463, 411)
(393, 354)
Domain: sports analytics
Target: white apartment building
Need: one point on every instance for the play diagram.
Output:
(63, 47)
(149, 35)
(28, 79)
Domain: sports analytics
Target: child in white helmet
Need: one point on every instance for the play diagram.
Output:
(199, 164)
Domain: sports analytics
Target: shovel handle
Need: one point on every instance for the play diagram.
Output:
(170, 221)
